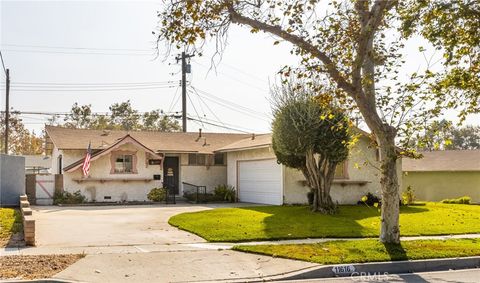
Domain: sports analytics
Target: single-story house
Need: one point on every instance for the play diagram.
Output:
(444, 174)
(125, 166)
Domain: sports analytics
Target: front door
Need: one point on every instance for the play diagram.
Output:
(170, 173)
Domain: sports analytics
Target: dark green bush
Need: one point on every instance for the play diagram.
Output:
(461, 200)
(201, 197)
(69, 198)
(157, 194)
(225, 193)
(370, 200)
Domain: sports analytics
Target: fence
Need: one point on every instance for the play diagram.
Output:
(41, 188)
(12, 179)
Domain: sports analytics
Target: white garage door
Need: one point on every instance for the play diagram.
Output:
(260, 181)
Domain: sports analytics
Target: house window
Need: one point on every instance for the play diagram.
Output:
(123, 163)
(219, 159)
(341, 171)
(196, 159)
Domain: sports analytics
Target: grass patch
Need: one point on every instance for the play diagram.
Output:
(297, 222)
(369, 250)
(10, 223)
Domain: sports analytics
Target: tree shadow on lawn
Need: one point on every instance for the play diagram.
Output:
(296, 222)
(396, 251)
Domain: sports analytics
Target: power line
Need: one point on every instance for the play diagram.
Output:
(3, 63)
(233, 104)
(173, 100)
(75, 48)
(233, 78)
(97, 89)
(194, 108)
(208, 107)
(55, 84)
(216, 125)
(16, 112)
(78, 53)
(226, 124)
(236, 108)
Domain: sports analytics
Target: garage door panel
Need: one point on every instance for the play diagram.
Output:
(260, 181)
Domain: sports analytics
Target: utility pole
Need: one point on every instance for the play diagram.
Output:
(7, 110)
(186, 68)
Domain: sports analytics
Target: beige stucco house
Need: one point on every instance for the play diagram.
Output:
(252, 168)
(125, 166)
(444, 175)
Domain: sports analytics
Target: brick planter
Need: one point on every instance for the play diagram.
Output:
(28, 221)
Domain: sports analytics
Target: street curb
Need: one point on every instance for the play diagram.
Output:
(48, 280)
(381, 268)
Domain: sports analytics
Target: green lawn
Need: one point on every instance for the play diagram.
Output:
(296, 222)
(369, 250)
(10, 223)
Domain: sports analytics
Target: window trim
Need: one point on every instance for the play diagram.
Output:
(345, 171)
(224, 159)
(196, 159)
(115, 154)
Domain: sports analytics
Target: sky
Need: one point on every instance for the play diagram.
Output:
(102, 52)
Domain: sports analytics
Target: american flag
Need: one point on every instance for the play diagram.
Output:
(86, 162)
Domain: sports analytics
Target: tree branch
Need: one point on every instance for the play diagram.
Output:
(303, 44)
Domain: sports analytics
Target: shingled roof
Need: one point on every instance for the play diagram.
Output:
(67, 138)
(254, 141)
(444, 160)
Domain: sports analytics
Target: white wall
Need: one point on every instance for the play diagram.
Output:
(361, 166)
(120, 188)
(252, 154)
(201, 175)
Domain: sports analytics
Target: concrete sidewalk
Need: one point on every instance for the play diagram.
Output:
(180, 266)
(195, 245)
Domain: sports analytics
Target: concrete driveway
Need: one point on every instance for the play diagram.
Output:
(101, 226)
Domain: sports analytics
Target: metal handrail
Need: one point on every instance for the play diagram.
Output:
(198, 191)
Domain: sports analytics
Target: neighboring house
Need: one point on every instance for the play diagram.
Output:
(252, 168)
(37, 164)
(444, 174)
(125, 166)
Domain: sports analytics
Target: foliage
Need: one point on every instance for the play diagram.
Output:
(369, 250)
(370, 200)
(461, 200)
(69, 198)
(21, 140)
(10, 223)
(408, 196)
(450, 25)
(122, 116)
(362, 70)
(157, 194)
(226, 193)
(443, 135)
(298, 222)
(310, 136)
(202, 198)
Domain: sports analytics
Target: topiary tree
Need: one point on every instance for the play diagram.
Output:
(310, 136)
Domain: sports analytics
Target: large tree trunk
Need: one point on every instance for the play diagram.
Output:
(319, 176)
(390, 232)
